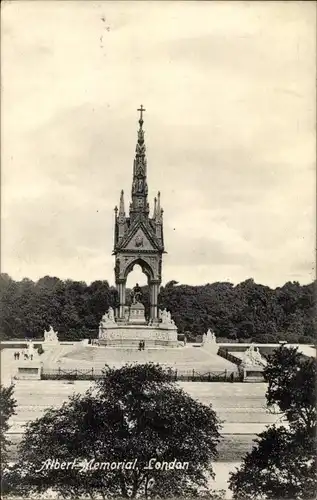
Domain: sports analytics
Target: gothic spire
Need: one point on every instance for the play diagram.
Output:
(139, 203)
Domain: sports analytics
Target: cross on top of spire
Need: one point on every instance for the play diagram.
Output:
(141, 109)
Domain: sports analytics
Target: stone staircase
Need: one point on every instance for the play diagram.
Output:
(183, 358)
(53, 354)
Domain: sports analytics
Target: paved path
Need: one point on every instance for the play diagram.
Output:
(240, 406)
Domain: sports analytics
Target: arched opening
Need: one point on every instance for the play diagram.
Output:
(145, 268)
(139, 272)
(136, 276)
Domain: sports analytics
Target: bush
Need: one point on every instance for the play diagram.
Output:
(292, 338)
(303, 339)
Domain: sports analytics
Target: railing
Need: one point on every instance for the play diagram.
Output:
(173, 375)
(64, 374)
(224, 353)
(214, 376)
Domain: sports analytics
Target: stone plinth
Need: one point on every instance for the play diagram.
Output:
(252, 373)
(130, 335)
(136, 314)
(29, 370)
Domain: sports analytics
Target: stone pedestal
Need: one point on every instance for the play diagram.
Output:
(252, 373)
(132, 330)
(130, 335)
(29, 370)
(136, 314)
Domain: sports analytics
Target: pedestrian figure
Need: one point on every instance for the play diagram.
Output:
(18, 355)
(31, 356)
(140, 346)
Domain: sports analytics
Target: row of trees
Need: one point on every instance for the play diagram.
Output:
(135, 414)
(244, 311)
(73, 308)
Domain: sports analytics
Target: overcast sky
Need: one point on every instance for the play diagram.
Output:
(229, 90)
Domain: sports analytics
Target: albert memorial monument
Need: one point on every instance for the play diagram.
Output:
(138, 239)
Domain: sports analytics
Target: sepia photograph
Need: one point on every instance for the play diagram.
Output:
(158, 235)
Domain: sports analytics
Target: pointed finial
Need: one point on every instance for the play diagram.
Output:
(121, 209)
(155, 208)
(158, 207)
(140, 147)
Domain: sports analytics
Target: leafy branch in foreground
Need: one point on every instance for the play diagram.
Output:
(7, 410)
(282, 464)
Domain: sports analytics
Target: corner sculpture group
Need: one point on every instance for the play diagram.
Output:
(27, 353)
(30, 352)
(50, 335)
(252, 356)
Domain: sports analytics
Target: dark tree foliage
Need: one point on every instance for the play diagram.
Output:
(291, 381)
(245, 311)
(134, 412)
(282, 464)
(7, 409)
(73, 308)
